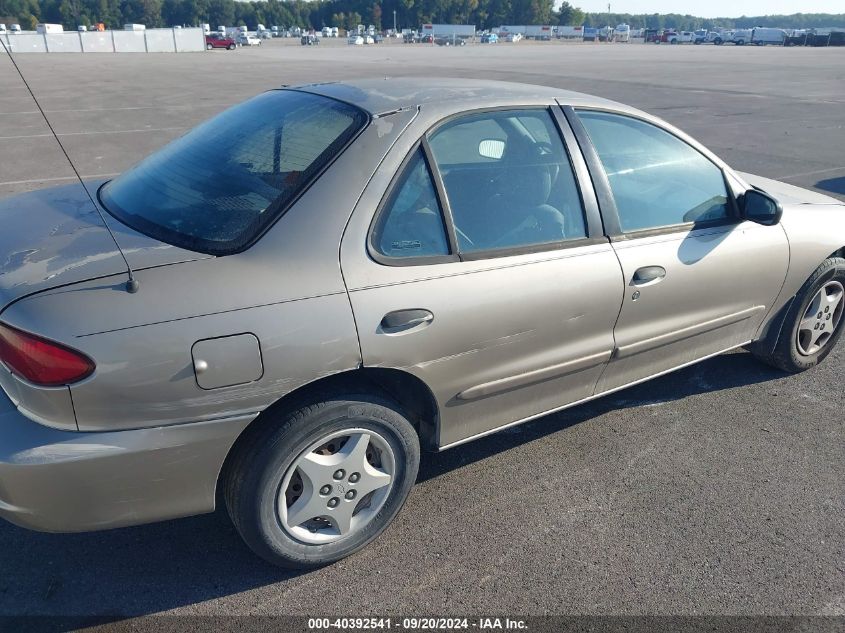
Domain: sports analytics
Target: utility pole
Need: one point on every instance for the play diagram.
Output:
(394, 21)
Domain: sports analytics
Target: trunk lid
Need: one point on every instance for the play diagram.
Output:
(55, 237)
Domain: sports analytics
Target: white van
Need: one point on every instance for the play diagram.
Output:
(134, 27)
(762, 36)
(15, 29)
(2, 29)
(741, 37)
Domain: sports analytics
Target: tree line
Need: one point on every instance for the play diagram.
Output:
(350, 13)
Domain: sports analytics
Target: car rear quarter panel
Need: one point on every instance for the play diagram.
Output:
(286, 290)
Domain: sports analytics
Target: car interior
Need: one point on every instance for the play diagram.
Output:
(508, 181)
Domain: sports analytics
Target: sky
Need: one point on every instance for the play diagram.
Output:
(714, 8)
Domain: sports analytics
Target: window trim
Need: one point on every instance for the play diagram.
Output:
(586, 195)
(226, 249)
(604, 192)
(381, 215)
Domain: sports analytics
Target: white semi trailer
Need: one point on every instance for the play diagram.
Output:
(449, 30)
(570, 32)
(538, 32)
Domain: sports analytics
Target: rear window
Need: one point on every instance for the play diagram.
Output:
(220, 186)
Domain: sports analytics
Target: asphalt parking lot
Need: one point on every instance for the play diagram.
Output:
(719, 489)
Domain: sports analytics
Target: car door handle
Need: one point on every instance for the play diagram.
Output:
(648, 275)
(399, 320)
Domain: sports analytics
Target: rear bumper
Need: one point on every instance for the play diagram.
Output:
(62, 481)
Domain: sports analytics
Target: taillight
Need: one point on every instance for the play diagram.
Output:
(40, 361)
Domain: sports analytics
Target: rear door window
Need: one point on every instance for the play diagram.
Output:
(411, 224)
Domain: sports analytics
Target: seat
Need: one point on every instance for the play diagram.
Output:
(519, 213)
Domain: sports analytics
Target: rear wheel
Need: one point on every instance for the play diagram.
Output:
(319, 483)
(208, 47)
(813, 324)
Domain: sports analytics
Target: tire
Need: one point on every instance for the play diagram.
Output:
(230, 47)
(209, 47)
(718, 42)
(262, 489)
(792, 352)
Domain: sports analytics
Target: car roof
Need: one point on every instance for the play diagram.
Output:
(379, 96)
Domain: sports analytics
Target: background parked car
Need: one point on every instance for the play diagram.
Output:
(309, 39)
(246, 39)
(450, 41)
(218, 41)
(489, 38)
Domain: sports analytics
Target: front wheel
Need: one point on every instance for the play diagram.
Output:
(208, 47)
(318, 483)
(231, 47)
(814, 322)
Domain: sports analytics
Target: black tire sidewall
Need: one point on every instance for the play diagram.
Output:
(831, 270)
(260, 526)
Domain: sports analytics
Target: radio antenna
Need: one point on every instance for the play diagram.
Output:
(132, 284)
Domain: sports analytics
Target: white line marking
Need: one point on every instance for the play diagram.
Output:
(151, 129)
(810, 173)
(29, 182)
(192, 106)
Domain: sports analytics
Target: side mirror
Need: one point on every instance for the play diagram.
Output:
(491, 148)
(761, 208)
